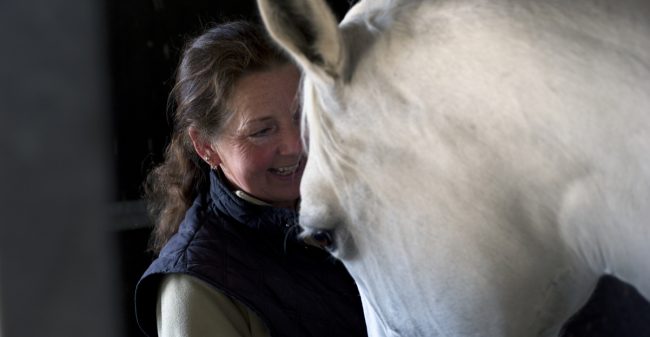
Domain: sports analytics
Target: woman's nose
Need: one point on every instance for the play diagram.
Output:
(291, 143)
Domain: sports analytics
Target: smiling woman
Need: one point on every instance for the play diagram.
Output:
(224, 202)
(259, 150)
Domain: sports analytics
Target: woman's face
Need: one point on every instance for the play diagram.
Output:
(260, 150)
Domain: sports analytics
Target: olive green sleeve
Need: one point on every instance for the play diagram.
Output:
(189, 307)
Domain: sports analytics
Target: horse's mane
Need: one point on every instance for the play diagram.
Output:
(320, 104)
(317, 126)
(374, 13)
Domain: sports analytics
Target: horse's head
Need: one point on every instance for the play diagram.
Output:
(309, 32)
(361, 140)
(445, 141)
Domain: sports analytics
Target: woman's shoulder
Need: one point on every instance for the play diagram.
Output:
(186, 303)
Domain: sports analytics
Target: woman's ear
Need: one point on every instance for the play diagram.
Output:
(204, 148)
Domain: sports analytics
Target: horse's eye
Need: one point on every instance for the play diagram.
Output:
(322, 238)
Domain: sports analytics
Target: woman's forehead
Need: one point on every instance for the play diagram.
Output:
(263, 94)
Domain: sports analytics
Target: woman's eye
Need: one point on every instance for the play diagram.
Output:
(261, 133)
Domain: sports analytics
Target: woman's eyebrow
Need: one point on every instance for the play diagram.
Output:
(257, 120)
(253, 122)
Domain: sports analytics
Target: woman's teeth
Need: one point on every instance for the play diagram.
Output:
(285, 171)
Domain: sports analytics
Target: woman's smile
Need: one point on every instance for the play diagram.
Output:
(264, 156)
(287, 170)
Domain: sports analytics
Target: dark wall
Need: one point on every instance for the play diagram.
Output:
(57, 276)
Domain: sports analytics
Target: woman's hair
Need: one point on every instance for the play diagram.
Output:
(210, 65)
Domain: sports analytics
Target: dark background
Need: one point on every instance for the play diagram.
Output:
(144, 42)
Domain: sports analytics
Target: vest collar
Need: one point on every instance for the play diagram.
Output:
(248, 210)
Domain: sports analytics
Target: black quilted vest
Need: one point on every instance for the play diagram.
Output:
(251, 254)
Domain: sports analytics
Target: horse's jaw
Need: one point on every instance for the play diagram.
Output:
(421, 273)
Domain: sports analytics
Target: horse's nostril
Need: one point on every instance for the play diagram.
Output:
(323, 239)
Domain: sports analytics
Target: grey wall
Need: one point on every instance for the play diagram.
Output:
(57, 274)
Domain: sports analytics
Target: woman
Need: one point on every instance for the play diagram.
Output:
(224, 201)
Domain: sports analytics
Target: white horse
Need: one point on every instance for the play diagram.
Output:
(476, 165)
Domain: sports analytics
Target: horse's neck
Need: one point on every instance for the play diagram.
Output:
(604, 221)
(598, 218)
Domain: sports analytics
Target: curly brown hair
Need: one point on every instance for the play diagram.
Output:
(210, 65)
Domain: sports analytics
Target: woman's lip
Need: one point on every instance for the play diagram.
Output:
(293, 169)
(289, 168)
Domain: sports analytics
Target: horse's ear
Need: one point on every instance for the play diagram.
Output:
(308, 30)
